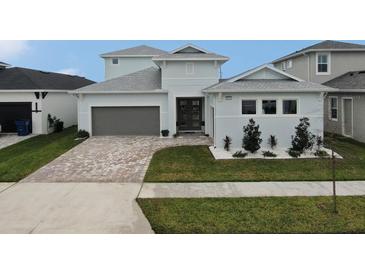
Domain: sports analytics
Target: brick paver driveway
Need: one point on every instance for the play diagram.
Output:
(109, 159)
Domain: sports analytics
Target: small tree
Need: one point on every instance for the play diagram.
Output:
(319, 142)
(303, 139)
(251, 137)
(273, 141)
(227, 142)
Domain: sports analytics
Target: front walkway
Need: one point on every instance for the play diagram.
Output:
(71, 208)
(109, 159)
(11, 139)
(249, 189)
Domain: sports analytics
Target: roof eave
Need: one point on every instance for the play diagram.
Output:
(267, 90)
(117, 91)
(191, 59)
(126, 55)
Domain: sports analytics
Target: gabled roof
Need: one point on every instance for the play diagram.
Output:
(327, 45)
(266, 78)
(139, 51)
(144, 80)
(351, 80)
(28, 79)
(190, 52)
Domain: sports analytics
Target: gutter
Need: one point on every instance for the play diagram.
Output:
(268, 90)
(156, 91)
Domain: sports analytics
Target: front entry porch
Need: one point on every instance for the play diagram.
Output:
(189, 114)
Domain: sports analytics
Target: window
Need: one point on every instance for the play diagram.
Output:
(333, 108)
(269, 106)
(289, 64)
(289, 106)
(248, 106)
(189, 68)
(283, 65)
(323, 63)
(115, 61)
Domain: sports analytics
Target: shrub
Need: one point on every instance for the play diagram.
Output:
(268, 154)
(82, 134)
(321, 153)
(294, 153)
(239, 154)
(58, 125)
(175, 135)
(273, 141)
(319, 142)
(165, 132)
(227, 142)
(251, 137)
(303, 139)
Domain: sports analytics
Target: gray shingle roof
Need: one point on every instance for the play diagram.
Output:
(324, 45)
(267, 85)
(350, 80)
(143, 80)
(22, 78)
(142, 50)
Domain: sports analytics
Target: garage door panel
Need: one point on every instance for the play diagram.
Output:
(125, 121)
(11, 111)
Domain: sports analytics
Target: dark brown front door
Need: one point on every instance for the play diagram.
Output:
(189, 113)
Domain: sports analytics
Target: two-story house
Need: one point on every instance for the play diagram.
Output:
(182, 91)
(339, 65)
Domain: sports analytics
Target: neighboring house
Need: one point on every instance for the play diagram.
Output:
(345, 108)
(324, 61)
(126, 61)
(183, 92)
(339, 65)
(33, 94)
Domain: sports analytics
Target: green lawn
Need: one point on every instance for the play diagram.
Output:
(19, 160)
(255, 215)
(195, 163)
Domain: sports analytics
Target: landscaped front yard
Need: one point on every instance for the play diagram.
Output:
(21, 159)
(195, 163)
(255, 215)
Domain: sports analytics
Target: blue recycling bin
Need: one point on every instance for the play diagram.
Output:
(22, 127)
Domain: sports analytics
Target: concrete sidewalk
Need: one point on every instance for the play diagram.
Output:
(71, 208)
(249, 189)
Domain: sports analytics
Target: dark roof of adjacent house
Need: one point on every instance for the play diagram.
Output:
(325, 45)
(3, 64)
(25, 79)
(349, 80)
(144, 80)
(141, 51)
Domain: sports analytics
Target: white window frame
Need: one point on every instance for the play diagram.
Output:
(289, 99)
(249, 99)
(330, 108)
(328, 63)
(270, 99)
(289, 64)
(116, 63)
(192, 66)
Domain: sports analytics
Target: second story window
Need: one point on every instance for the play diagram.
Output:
(189, 68)
(323, 63)
(115, 61)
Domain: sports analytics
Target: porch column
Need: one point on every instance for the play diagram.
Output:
(171, 100)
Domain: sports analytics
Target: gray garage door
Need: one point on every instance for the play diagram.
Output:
(125, 121)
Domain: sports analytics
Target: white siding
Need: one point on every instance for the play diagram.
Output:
(229, 120)
(88, 100)
(126, 65)
(62, 105)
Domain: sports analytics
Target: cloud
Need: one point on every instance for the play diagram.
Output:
(10, 49)
(70, 71)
